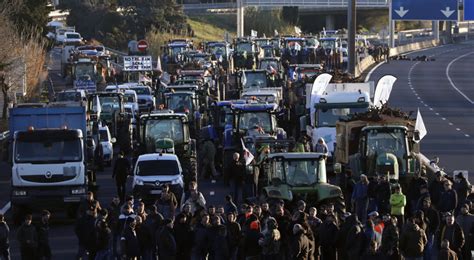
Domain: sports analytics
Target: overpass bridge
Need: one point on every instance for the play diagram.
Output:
(329, 7)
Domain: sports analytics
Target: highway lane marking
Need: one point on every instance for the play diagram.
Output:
(372, 71)
(457, 129)
(6, 208)
(451, 81)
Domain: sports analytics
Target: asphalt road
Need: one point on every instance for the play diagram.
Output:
(443, 90)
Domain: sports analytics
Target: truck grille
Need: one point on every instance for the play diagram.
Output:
(142, 101)
(161, 183)
(43, 179)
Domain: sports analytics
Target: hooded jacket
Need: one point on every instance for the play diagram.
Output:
(398, 202)
(412, 241)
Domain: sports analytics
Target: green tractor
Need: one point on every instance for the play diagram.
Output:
(112, 113)
(300, 176)
(166, 131)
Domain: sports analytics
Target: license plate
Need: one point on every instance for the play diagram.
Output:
(155, 192)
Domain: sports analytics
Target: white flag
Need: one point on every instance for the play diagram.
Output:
(158, 64)
(420, 126)
(253, 33)
(248, 156)
(297, 30)
(319, 86)
(383, 90)
(97, 106)
(275, 32)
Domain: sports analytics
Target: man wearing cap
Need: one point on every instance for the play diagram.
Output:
(466, 221)
(360, 198)
(453, 233)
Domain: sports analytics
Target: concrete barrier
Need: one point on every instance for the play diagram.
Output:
(413, 47)
(363, 65)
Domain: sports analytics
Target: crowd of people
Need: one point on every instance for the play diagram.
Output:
(431, 220)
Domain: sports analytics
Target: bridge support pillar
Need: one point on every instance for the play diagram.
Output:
(240, 18)
(435, 30)
(330, 22)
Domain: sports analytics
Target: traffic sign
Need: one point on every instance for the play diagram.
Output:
(468, 10)
(142, 45)
(443, 10)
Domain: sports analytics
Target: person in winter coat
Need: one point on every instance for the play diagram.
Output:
(449, 198)
(208, 154)
(236, 177)
(413, 192)
(130, 243)
(251, 247)
(412, 240)
(466, 221)
(300, 248)
(390, 238)
(349, 222)
(382, 195)
(4, 239)
(372, 252)
(436, 188)
(27, 237)
(167, 202)
(453, 233)
(104, 236)
(120, 173)
(463, 189)
(145, 238)
(220, 246)
(398, 202)
(85, 232)
(321, 146)
(432, 220)
(194, 198)
(44, 249)
(87, 203)
(360, 198)
(355, 240)
(234, 235)
(200, 248)
(328, 238)
(270, 242)
(445, 253)
(183, 235)
(166, 243)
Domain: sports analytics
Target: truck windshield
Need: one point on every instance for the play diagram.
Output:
(157, 167)
(68, 96)
(327, 117)
(85, 70)
(302, 172)
(244, 47)
(142, 91)
(250, 120)
(180, 103)
(48, 151)
(109, 103)
(157, 129)
(254, 80)
(380, 142)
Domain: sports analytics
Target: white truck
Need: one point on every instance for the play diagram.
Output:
(338, 100)
(48, 156)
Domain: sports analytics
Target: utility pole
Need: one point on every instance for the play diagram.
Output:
(351, 31)
(240, 18)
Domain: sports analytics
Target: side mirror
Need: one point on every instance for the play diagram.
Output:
(113, 140)
(337, 168)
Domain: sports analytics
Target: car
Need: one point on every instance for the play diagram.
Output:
(72, 37)
(107, 142)
(116, 88)
(152, 171)
(146, 100)
(71, 95)
(131, 101)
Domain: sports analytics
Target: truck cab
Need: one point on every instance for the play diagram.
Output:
(49, 159)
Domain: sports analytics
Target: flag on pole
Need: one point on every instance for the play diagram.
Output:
(383, 90)
(248, 156)
(420, 127)
(253, 33)
(275, 33)
(297, 30)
